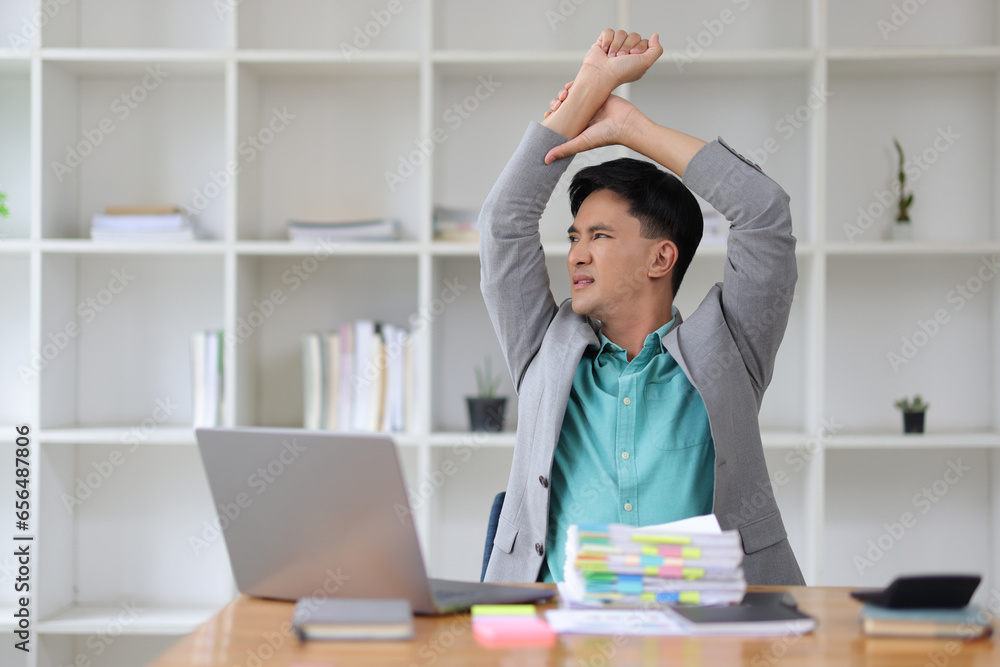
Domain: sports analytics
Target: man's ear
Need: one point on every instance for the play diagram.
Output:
(664, 258)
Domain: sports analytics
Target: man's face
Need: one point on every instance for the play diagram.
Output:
(609, 260)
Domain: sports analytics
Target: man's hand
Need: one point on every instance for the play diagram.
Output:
(614, 59)
(613, 123)
(619, 57)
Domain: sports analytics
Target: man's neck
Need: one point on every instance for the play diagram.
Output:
(630, 333)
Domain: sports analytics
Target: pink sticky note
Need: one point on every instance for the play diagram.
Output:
(512, 631)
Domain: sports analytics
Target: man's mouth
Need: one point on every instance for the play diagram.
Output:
(579, 282)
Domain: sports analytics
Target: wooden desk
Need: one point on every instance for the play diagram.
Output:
(250, 633)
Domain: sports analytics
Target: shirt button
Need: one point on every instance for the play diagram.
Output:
(628, 507)
(544, 482)
(539, 549)
(627, 401)
(625, 455)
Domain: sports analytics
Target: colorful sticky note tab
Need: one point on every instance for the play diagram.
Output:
(503, 610)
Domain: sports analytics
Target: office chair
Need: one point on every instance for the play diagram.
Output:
(491, 531)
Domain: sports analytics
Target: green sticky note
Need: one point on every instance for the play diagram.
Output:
(503, 610)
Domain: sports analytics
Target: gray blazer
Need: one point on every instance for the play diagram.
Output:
(726, 348)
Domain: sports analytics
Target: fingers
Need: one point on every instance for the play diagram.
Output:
(620, 43)
(604, 39)
(616, 42)
(631, 41)
(654, 50)
(556, 102)
(571, 147)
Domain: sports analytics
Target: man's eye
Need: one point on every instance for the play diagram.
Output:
(597, 236)
(572, 239)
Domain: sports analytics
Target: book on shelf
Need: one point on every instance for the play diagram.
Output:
(331, 361)
(312, 376)
(142, 223)
(207, 378)
(362, 379)
(970, 622)
(358, 378)
(456, 224)
(345, 395)
(373, 229)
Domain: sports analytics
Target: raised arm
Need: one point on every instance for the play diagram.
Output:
(760, 272)
(514, 277)
(615, 58)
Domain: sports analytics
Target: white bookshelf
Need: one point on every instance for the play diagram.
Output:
(329, 124)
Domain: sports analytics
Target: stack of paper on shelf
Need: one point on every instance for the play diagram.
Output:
(375, 229)
(456, 224)
(358, 378)
(142, 223)
(206, 378)
(623, 566)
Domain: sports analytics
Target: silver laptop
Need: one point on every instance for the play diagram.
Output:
(313, 513)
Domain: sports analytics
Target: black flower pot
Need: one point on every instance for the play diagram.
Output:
(486, 414)
(913, 422)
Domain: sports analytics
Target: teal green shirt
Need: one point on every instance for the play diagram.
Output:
(635, 446)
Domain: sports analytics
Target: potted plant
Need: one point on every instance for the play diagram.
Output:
(902, 230)
(4, 213)
(486, 411)
(913, 413)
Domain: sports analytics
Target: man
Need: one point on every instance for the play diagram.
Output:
(628, 414)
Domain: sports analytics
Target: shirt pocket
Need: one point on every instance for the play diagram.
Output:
(675, 415)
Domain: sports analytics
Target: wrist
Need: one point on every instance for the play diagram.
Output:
(594, 80)
(635, 131)
(573, 115)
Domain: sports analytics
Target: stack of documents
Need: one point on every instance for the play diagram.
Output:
(456, 224)
(156, 224)
(612, 565)
(375, 229)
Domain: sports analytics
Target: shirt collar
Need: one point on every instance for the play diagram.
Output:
(654, 339)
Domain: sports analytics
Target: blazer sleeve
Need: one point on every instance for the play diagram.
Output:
(760, 271)
(514, 279)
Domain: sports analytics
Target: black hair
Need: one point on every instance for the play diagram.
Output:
(664, 206)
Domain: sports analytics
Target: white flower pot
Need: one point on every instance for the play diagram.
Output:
(902, 231)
